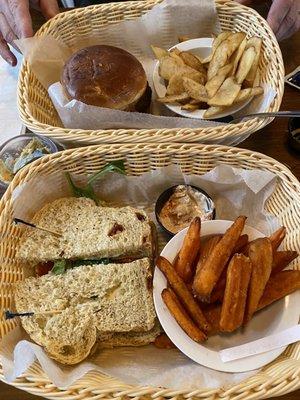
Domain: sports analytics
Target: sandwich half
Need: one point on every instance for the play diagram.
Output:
(88, 232)
(106, 304)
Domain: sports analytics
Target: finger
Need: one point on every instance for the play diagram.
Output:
(291, 22)
(7, 33)
(287, 28)
(20, 11)
(5, 52)
(278, 12)
(49, 8)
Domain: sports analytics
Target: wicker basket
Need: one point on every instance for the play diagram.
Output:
(279, 377)
(38, 113)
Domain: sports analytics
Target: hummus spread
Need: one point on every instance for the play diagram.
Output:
(183, 205)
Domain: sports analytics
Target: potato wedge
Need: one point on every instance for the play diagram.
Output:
(190, 107)
(183, 293)
(245, 64)
(242, 242)
(195, 90)
(163, 342)
(213, 316)
(279, 286)
(223, 53)
(181, 316)
(277, 237)
(261, 256)
(234, 302)
(176, 98)
(218, 40)
(184, 264)
(183, 38)
(209, 274)
(212, 112)
(255, 42)
(226, 94)
(159, 52)
(206, 248)
(175, 53)
(281, 260)
(168, 66)
(214, 84)
(246, 94)
(175, 85)
(192, 61)
(235, 58)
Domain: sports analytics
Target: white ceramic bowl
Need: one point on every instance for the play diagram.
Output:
(281, 315)
(200, 47)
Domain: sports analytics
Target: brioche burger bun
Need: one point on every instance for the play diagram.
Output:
(106, 76)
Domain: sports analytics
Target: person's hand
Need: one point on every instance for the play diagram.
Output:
(283, 17)
(15, 22)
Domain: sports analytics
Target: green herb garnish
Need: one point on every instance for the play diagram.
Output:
(88, 191)
(61, 266)
(78, 263)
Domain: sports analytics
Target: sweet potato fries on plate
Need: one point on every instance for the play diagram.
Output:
(217, 283)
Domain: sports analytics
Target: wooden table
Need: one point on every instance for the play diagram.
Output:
(272, 141)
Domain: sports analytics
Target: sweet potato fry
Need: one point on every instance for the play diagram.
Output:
(280, 285)
(277, 237)
(182, 291)
(184, 263)
(209, 274)
(218, 291)
(261, 256)
(206, 248)
(281, 260)
(234, 302)
(163, 342)
(213, 316)
(241, 243)
(181, 316)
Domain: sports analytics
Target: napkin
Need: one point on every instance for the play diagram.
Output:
(10, 122)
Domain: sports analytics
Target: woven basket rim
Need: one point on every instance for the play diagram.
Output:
(260, 386)
(142, 135)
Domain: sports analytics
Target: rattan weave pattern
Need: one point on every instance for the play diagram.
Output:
(38, 113)
(279, 377)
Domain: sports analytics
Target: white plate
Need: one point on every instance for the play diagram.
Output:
(281, 315)
(200, 47)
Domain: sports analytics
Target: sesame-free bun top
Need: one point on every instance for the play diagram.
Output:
(104, 76)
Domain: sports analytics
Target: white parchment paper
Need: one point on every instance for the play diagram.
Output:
(235, 192)
(160, 26)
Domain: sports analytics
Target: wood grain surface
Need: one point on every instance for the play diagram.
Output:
(272, 141)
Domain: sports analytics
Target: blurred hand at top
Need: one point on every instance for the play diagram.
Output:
(283, 17)
(15, 22)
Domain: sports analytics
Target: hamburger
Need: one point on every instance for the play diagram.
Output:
(106, 76)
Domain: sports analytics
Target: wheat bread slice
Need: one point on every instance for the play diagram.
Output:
(88, 231)
(110, 340)
(89, 299)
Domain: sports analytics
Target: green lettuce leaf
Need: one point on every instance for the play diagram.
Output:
(88, 191)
